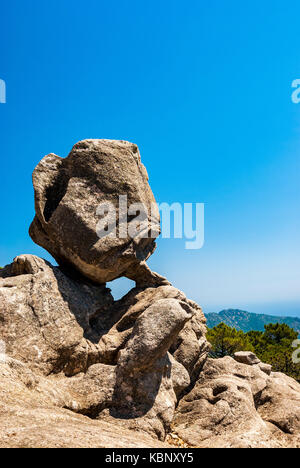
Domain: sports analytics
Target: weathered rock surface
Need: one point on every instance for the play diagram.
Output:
(246, 357)
(45, 317)
(279, 404)
(111, 359)
(232, 404)
(85, 363)
(78, 369)
(144, 396)
(67, 194)
(32, 416)
(190, 347)
(249, 358)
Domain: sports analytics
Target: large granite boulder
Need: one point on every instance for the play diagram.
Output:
(68, 193)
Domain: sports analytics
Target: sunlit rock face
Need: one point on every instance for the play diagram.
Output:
(68, 193)
(79, 369)
(106, 359)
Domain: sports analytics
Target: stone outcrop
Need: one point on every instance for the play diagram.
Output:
(249, 358)
(46, 317)
(246, 357)
(78, 369)
(67, 194)
(33, 414)
(113, 359)
(279, 404)
(239, 405)
(144, 393)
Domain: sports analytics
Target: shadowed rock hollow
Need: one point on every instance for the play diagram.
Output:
(83, 370)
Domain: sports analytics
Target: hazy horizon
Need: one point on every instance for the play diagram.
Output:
(277, 309)
(121, 286)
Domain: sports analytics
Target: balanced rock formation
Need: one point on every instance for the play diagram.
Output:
(68, 193)
(78, 369)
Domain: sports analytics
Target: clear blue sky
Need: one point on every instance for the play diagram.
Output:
(204, 89)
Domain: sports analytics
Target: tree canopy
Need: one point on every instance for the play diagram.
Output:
(273, 346)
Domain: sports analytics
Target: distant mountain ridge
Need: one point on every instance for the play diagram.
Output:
(246, 321)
